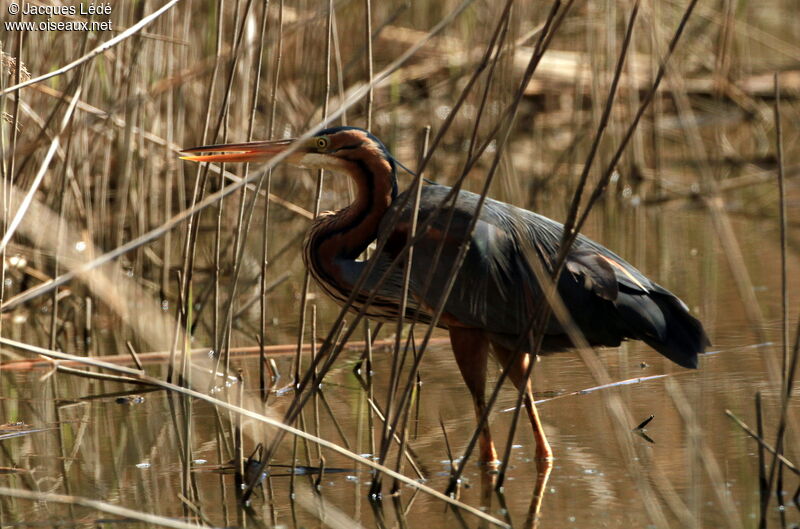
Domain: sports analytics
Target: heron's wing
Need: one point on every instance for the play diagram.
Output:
(493, 289)
(382, 288)
(497, 289)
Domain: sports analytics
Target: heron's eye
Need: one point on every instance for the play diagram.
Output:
(322, 143)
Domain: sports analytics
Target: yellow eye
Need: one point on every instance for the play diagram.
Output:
(322, 143)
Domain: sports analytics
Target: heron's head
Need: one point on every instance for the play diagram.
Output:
(348, 150)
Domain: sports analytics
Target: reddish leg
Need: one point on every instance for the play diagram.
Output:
(517, 373)
(471, 349)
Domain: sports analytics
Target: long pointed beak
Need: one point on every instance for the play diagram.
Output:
(254, 151)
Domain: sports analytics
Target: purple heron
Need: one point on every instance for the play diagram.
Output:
(496, 290)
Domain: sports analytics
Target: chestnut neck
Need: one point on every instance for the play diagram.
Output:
(346, 233)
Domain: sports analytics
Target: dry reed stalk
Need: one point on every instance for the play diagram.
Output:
(222, 343)
(100, 376)
(330, 350)
(734, 256)
(167, 143)
(398, 360)
(571, 216)
(705, 453)
(280, 425)
(265, 224)
(404, 452)
(191, 244)
(763, 444)
(201, 174)
(590, 358)
(789, 364)
(779, 487)
(782, 221)
(363, 373)
(329, 515)
(495, 43)
(213, 198)
(65, 177)
(368, 58)
(317, 381)
(763, 486)
(26, 202)
(130, 32)
(403, 303)
(161, 356)
(569, 224)
(553, 21)
(317, 199)
(96, 505)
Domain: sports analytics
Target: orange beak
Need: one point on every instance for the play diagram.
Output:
(255, 151)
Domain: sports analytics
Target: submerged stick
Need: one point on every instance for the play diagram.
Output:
(160, 356)
(749, 431)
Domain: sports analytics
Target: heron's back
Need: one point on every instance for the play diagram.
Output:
(497, 290)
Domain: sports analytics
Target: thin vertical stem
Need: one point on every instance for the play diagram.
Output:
(8, 176)
(763, 490)
(368, 42)
(199, 183)
(265, 224)
(317, 200)
(401, 319)
(782, 210)
(789, 366)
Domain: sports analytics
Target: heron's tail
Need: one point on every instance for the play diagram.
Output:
(663, 322)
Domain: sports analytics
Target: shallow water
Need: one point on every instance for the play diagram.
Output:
(701, 468)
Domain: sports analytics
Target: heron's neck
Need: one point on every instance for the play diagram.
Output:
(346, 233)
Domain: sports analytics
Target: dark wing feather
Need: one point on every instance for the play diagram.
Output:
(496, 288)
(596, 272)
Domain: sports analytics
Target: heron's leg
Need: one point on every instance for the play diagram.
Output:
(471, 349)
(517, 373)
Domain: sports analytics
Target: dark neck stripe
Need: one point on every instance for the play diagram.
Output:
(356, 220)
(349, 223)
